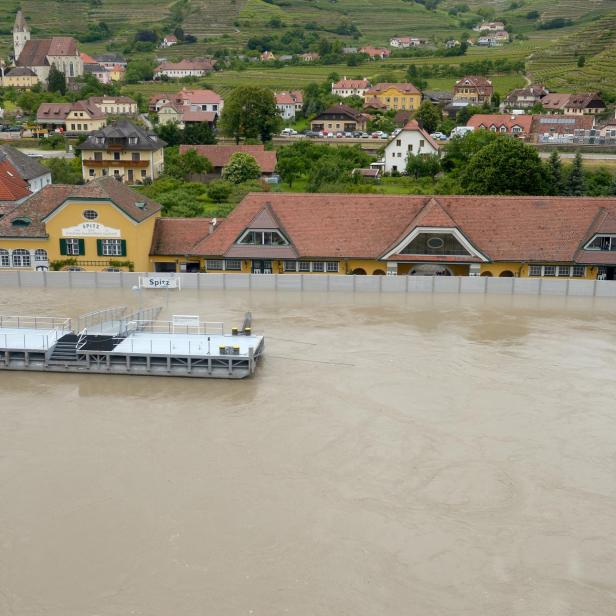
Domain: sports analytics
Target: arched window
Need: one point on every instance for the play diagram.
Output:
(5, 260)
(21, 258)
(40, 254)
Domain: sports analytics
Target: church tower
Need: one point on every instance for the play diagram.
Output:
(21, 34)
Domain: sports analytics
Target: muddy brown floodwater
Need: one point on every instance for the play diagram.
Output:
(393, 456)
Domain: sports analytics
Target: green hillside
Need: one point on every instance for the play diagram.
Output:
(551, 55)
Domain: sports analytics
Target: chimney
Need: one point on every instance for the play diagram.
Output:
(211, 226)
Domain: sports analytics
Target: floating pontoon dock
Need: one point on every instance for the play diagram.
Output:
(110, 341)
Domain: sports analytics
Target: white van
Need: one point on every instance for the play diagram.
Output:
(461, 131)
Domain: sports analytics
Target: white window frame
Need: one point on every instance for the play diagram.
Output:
(611, 237)
(285, 241)
(332, 267)
(228, 262)
(216, 265)
(5, 258)
(20, 257)
(72, 247)
(560, 271)
(40, 255)
(111, 248)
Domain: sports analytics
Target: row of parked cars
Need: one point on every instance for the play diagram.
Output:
(379, 134)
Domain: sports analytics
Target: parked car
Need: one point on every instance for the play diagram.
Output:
(384, 135)
(460, 131)
(273, 179)
(288, 132)
(348, 135)
(357, 134)
(311, 133)
(365, 136)
(439, 136)
(330, 135)
(396, 131)
(377, 134)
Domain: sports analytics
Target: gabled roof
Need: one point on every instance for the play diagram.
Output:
(122, 130)
(343, 109)
(379, 88)
(20, 71)
(12, 186)
(199, 97)
(561, 124)
(86, 58)
(413, 126)
(351, 84)
(27, 167)
(555, 100)
(294, 97)
(498, 120)
(475, 81)
(43, 203)
(109, 58)
(583, 100)
(199, 116)
(219, 155)
(186, 65)
(502, 228)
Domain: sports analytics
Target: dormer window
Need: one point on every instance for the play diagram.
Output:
(100, 140)
(602, 243)
(435, 244)
(258, 237)
(133, 140)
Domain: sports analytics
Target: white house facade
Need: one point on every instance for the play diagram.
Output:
(410, 140)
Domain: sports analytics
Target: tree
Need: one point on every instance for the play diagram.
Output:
(429, 116)
(170, 133)
(581, 61)
(423, 165)
(198, 133)
(219, 191)
(250, 112)
(460, 150)
(575, 181)
(182, 166)
(139, 70)
(327, 170)
(555, 175)
(290, 168)
(56, 81)
(507, 166)
(64, 170)
(241, 168)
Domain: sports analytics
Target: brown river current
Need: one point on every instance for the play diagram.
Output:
(423, 456)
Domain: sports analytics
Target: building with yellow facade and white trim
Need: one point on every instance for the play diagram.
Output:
(99, 226)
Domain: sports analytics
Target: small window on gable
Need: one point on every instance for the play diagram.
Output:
(435, 244)
(259, 237)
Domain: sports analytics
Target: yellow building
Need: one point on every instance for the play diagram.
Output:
(80, 117)
(99, 226)
(394, 96)
(500, 236)
(19, 77)
(122, 150)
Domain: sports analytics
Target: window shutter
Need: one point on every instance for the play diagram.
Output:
(82, 247)
(63, 247)
(123, 247)
(99, 248)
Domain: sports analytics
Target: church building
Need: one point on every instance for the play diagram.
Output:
(39, 55)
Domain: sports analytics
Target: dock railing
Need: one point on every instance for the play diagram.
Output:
(204, 328)
(27, 322)
(90, 320)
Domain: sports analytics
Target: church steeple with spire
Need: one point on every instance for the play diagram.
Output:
(21, 34)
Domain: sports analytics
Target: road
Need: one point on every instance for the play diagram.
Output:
(47, 153)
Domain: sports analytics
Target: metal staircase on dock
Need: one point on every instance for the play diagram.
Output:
(65, 349)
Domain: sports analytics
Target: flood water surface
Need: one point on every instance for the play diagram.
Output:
(393, 455)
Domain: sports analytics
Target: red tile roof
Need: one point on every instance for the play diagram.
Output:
(554, 100)
(475, 81)
(351, 84)
(36, 51)
(219, 155)
(12, 186)
(561, 124)
(413, 125)
(177, 236)
(503, 228)
(43, 203)
(198, 97)
(498, 120)
(199, 116)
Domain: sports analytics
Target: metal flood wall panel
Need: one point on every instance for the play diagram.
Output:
(319, 282)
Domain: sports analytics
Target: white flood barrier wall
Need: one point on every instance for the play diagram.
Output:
(318, 282)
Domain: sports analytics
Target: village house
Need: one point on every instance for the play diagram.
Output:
(219, 156)
(340, 118)
(111, 60)
(187, 106)
(39, 55)
(311, 56)
(350, 87)
(289, 103)
(98, 71)
(19, 77)
(99, 226)
(80, 117)
(490, 26)
(473, 90)
(413, 140)
(184, 68)
(574, 104)
(376, 53)
(493, 236)
(495, 39)
(525, 98)
(403, 42)
(507, 124)
(33, 173)
(169, 41)
(115, 105)
(267, 56)
(122, 150)
(395, 96)
(117, 72)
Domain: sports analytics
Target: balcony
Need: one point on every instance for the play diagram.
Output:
(135, 164)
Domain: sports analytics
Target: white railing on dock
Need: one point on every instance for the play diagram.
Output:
(27, 342)
(28, 322)
(169, 327)
(97, 317)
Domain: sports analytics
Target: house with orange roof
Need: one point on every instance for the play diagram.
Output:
(375, 53)
(395, 96)
(515, 125)
(413, 140)
(289, 103)
(13, 188)
(350, 87)
(219, 155)
(493, 236)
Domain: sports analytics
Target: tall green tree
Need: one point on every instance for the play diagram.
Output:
(64, 170)
(241, 168)
(506, 166)
(423, 165)
(198, 133)
(575, 181)
(182, 166)
(555, 177)
(429, 116)
(56, 81)
(250, 113)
